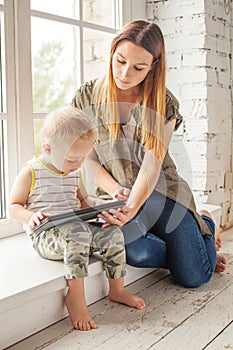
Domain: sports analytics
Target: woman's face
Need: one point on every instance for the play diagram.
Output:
(130, 65)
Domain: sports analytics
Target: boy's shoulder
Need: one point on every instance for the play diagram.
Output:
(34, 162)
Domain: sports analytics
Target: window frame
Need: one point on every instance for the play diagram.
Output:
(18, 75)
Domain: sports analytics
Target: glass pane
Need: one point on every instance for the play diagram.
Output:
(55, 64)
(2, 66)
(2, 109)
(2, 177)
(37, 136)
(96, 53)
(67, 8)
(100, 12)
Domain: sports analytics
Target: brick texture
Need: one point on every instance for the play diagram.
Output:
(198, 46)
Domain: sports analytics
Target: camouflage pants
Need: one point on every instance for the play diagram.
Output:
(75, 242)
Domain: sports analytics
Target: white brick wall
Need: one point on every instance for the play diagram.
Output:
(197, 38)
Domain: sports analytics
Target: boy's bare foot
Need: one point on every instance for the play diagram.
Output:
(127, 298)
(78, 312)
(221, 263)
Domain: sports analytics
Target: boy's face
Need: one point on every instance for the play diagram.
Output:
(67, 162)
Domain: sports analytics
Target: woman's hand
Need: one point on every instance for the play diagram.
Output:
(117, 217)
(122, 193)
(36, 219)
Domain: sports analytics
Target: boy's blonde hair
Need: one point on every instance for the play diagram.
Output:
(67, 125)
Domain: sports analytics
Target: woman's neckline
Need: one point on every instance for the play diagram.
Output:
(130, 97)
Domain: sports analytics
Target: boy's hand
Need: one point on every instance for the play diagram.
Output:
(36, 218)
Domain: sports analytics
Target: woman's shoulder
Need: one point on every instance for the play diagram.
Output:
(85, 94)
(172, 108)
(171, 99)
(88, 86)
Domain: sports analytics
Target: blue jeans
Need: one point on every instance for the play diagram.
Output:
(166, 234)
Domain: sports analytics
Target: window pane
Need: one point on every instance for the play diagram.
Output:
(2, 122)
(67, 8)
(56, 61)
(2, 177)
(55, 64)
(2, 66)
(96, 53)
(37, 138)
(100, 12)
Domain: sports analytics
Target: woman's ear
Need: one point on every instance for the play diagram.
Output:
(46, 148)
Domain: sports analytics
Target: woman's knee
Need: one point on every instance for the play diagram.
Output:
(147, 251)
(136, 257)
(193, 280)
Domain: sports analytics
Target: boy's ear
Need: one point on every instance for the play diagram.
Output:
(46, 148)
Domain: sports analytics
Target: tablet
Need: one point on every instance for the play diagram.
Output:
(85, 214)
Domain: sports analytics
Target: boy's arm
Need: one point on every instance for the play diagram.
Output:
(18, 197)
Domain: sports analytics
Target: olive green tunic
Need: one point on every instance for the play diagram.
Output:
(117, 158)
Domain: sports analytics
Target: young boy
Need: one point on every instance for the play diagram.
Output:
(51, 184)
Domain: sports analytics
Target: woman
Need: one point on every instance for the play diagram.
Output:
(135, 116)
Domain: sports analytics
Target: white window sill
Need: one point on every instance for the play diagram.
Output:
(32, 289)
(24, 272)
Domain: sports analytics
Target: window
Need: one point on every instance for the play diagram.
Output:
(2, 119)
(2, 178)
(69, 46)
(47, 48)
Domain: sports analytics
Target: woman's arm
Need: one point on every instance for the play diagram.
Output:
(100, 175)
(149, 172)
(144, 185)
(87, 201)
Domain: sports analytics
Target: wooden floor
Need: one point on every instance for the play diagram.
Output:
(175, 317)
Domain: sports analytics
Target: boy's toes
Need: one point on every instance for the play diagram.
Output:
(140, 304)
(92, 324)
(85, 325)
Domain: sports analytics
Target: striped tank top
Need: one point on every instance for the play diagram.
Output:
(51, 192)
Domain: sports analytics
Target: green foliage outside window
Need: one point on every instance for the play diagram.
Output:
(49, 86)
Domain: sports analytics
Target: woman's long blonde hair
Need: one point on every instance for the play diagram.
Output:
(152, 97)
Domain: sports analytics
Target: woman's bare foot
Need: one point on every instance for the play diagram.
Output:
(217, 234)
(218, 241)
(78, 312)
(221, 263)
(127, 298)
